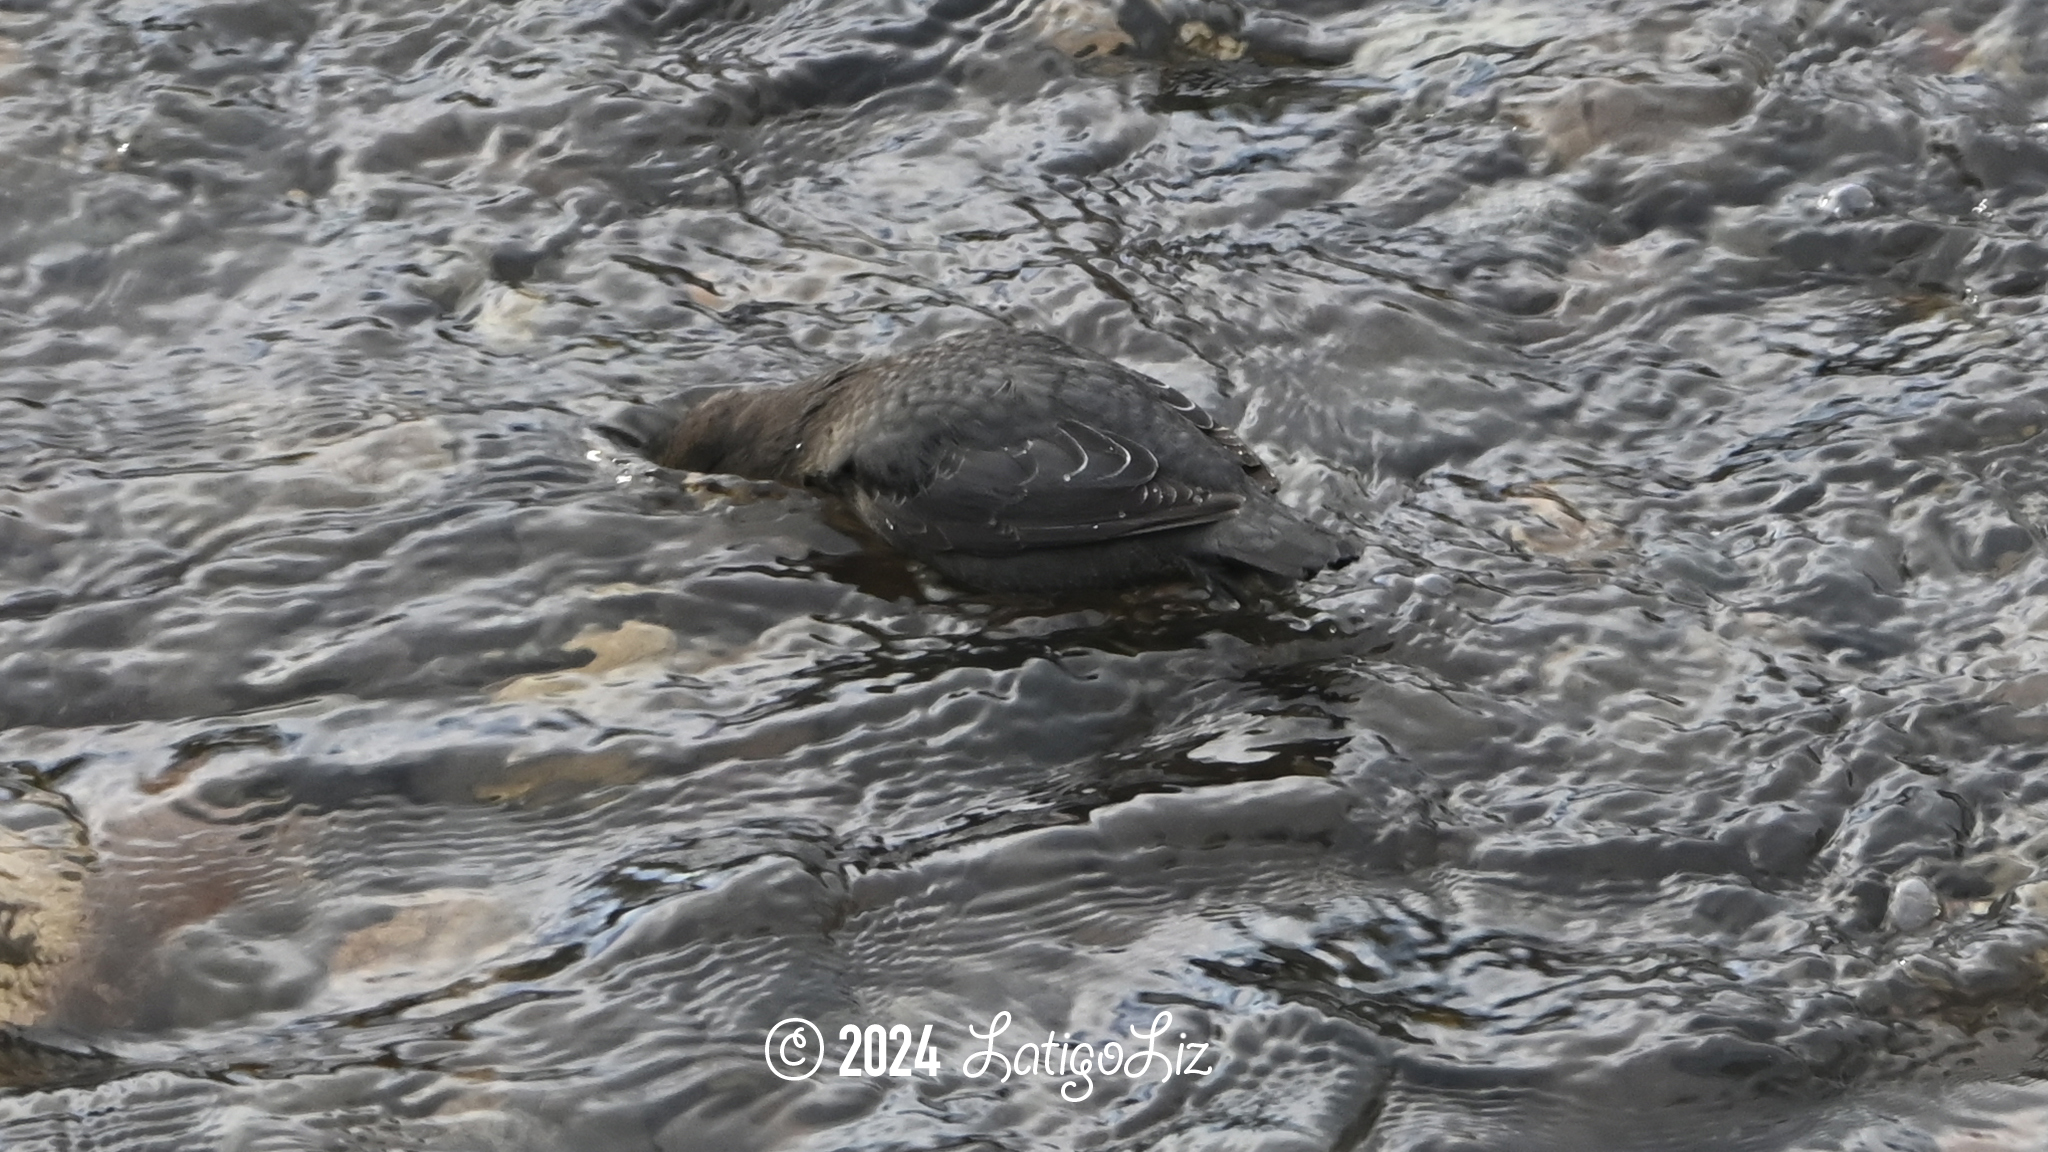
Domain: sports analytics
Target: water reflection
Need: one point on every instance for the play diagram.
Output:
(390, 763)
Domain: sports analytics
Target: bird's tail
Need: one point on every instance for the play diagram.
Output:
(1272, 538)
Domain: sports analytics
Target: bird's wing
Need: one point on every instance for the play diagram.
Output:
(1199, 416)
(1077, 484)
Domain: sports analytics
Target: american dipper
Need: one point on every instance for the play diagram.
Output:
(1010, 461)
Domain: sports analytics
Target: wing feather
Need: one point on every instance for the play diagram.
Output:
(1077, 485)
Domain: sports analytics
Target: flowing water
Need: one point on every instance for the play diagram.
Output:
(390, 763)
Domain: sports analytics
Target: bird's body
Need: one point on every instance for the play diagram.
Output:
(1011, 461)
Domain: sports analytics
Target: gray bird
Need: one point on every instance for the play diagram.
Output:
(1010, 461)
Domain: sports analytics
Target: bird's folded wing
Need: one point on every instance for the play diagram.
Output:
(1076, 485)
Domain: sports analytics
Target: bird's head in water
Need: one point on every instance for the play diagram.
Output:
(725, 429)
(681, 433)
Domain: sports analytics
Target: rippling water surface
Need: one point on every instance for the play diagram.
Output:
(388, 763)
